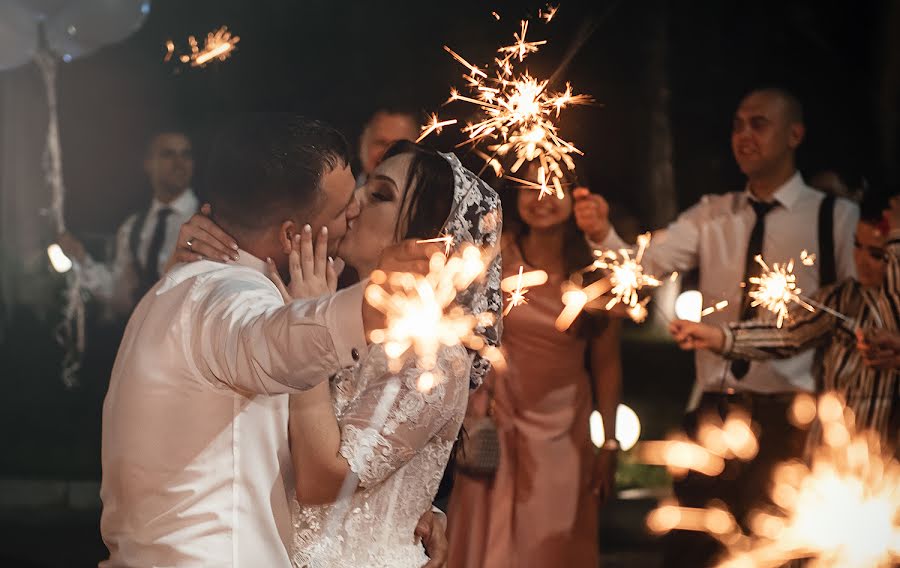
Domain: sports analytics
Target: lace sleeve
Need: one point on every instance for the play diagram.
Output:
(375, 451)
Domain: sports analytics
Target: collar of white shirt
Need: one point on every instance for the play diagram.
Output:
(250, 261)
(184, 205)
(787, 195)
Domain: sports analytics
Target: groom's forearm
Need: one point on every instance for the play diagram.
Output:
(249, 340)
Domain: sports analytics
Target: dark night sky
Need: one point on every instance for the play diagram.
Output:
(334, 60)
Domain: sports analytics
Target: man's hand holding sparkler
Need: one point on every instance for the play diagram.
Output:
(591, 214)
(691, 335)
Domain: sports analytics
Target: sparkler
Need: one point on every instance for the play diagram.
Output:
(717, 441)
(446, 239)
(419, 314)
(842, 510)
(717, 307)
(547, 13)
(516, 110)
(776, 289)
(434, 125)
(625, 279)
(219, 44)
(542, 186)
(518, 286)
(170, 51)
(626, 273)
(575, 299)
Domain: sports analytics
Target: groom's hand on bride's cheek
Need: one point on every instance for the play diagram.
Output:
(432, 529)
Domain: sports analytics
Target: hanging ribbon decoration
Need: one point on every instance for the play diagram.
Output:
(70, 331)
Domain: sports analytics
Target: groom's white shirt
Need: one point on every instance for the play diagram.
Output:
(196, 468)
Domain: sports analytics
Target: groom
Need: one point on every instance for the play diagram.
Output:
(196, 464)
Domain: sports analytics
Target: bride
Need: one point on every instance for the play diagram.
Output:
(398, 463)
(394, 463)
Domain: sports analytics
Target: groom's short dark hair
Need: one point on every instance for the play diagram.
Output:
(264, 166)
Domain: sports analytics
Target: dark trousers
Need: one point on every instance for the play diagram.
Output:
(743, 486)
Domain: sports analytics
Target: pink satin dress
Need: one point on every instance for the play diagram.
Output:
(538, 510)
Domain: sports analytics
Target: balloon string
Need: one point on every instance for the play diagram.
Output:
(70, 332)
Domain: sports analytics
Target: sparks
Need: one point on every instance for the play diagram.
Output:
(717, 441)
(516, 112)
(776, 289)
(806, 258)
(575, 299)
(717, 307)
(627, 276)
(419, 311)
(446, 239)
(522, 48)
(219, 44)
(548, 13)
(519, 285)
(841, 510)
(542, 187)
(434, 125)
(170, 50)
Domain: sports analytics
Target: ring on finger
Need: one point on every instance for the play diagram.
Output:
(190, 245)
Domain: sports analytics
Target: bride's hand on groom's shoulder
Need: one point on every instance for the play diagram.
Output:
(312, 272)
(201, 238)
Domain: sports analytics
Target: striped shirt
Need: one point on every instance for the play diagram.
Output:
(838, 366)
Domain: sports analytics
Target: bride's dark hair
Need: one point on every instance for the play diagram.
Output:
(429, 191)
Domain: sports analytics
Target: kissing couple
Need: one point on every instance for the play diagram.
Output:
(240, 425)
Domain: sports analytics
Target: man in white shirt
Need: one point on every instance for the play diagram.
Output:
(196, 464)
(777, 216)
(146, 239)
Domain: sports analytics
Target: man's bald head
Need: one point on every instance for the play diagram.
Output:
(789, 103)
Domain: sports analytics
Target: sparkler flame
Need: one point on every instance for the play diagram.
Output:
(548, 13)
(446, 239)
(842, 510)
(627, 277)
(776, 289)
(518, 286)
(219, 45)
(517, 112)
(717, 307)
(434, 125)
(717, 441)
(419, 311)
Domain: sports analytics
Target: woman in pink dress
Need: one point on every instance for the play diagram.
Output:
(540, 507)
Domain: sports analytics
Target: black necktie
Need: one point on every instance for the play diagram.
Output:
(151, 265)
(739, 367)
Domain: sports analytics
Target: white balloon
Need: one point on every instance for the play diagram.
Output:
(83, 26)
(18, 34)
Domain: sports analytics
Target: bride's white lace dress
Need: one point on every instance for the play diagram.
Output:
(399, 467)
